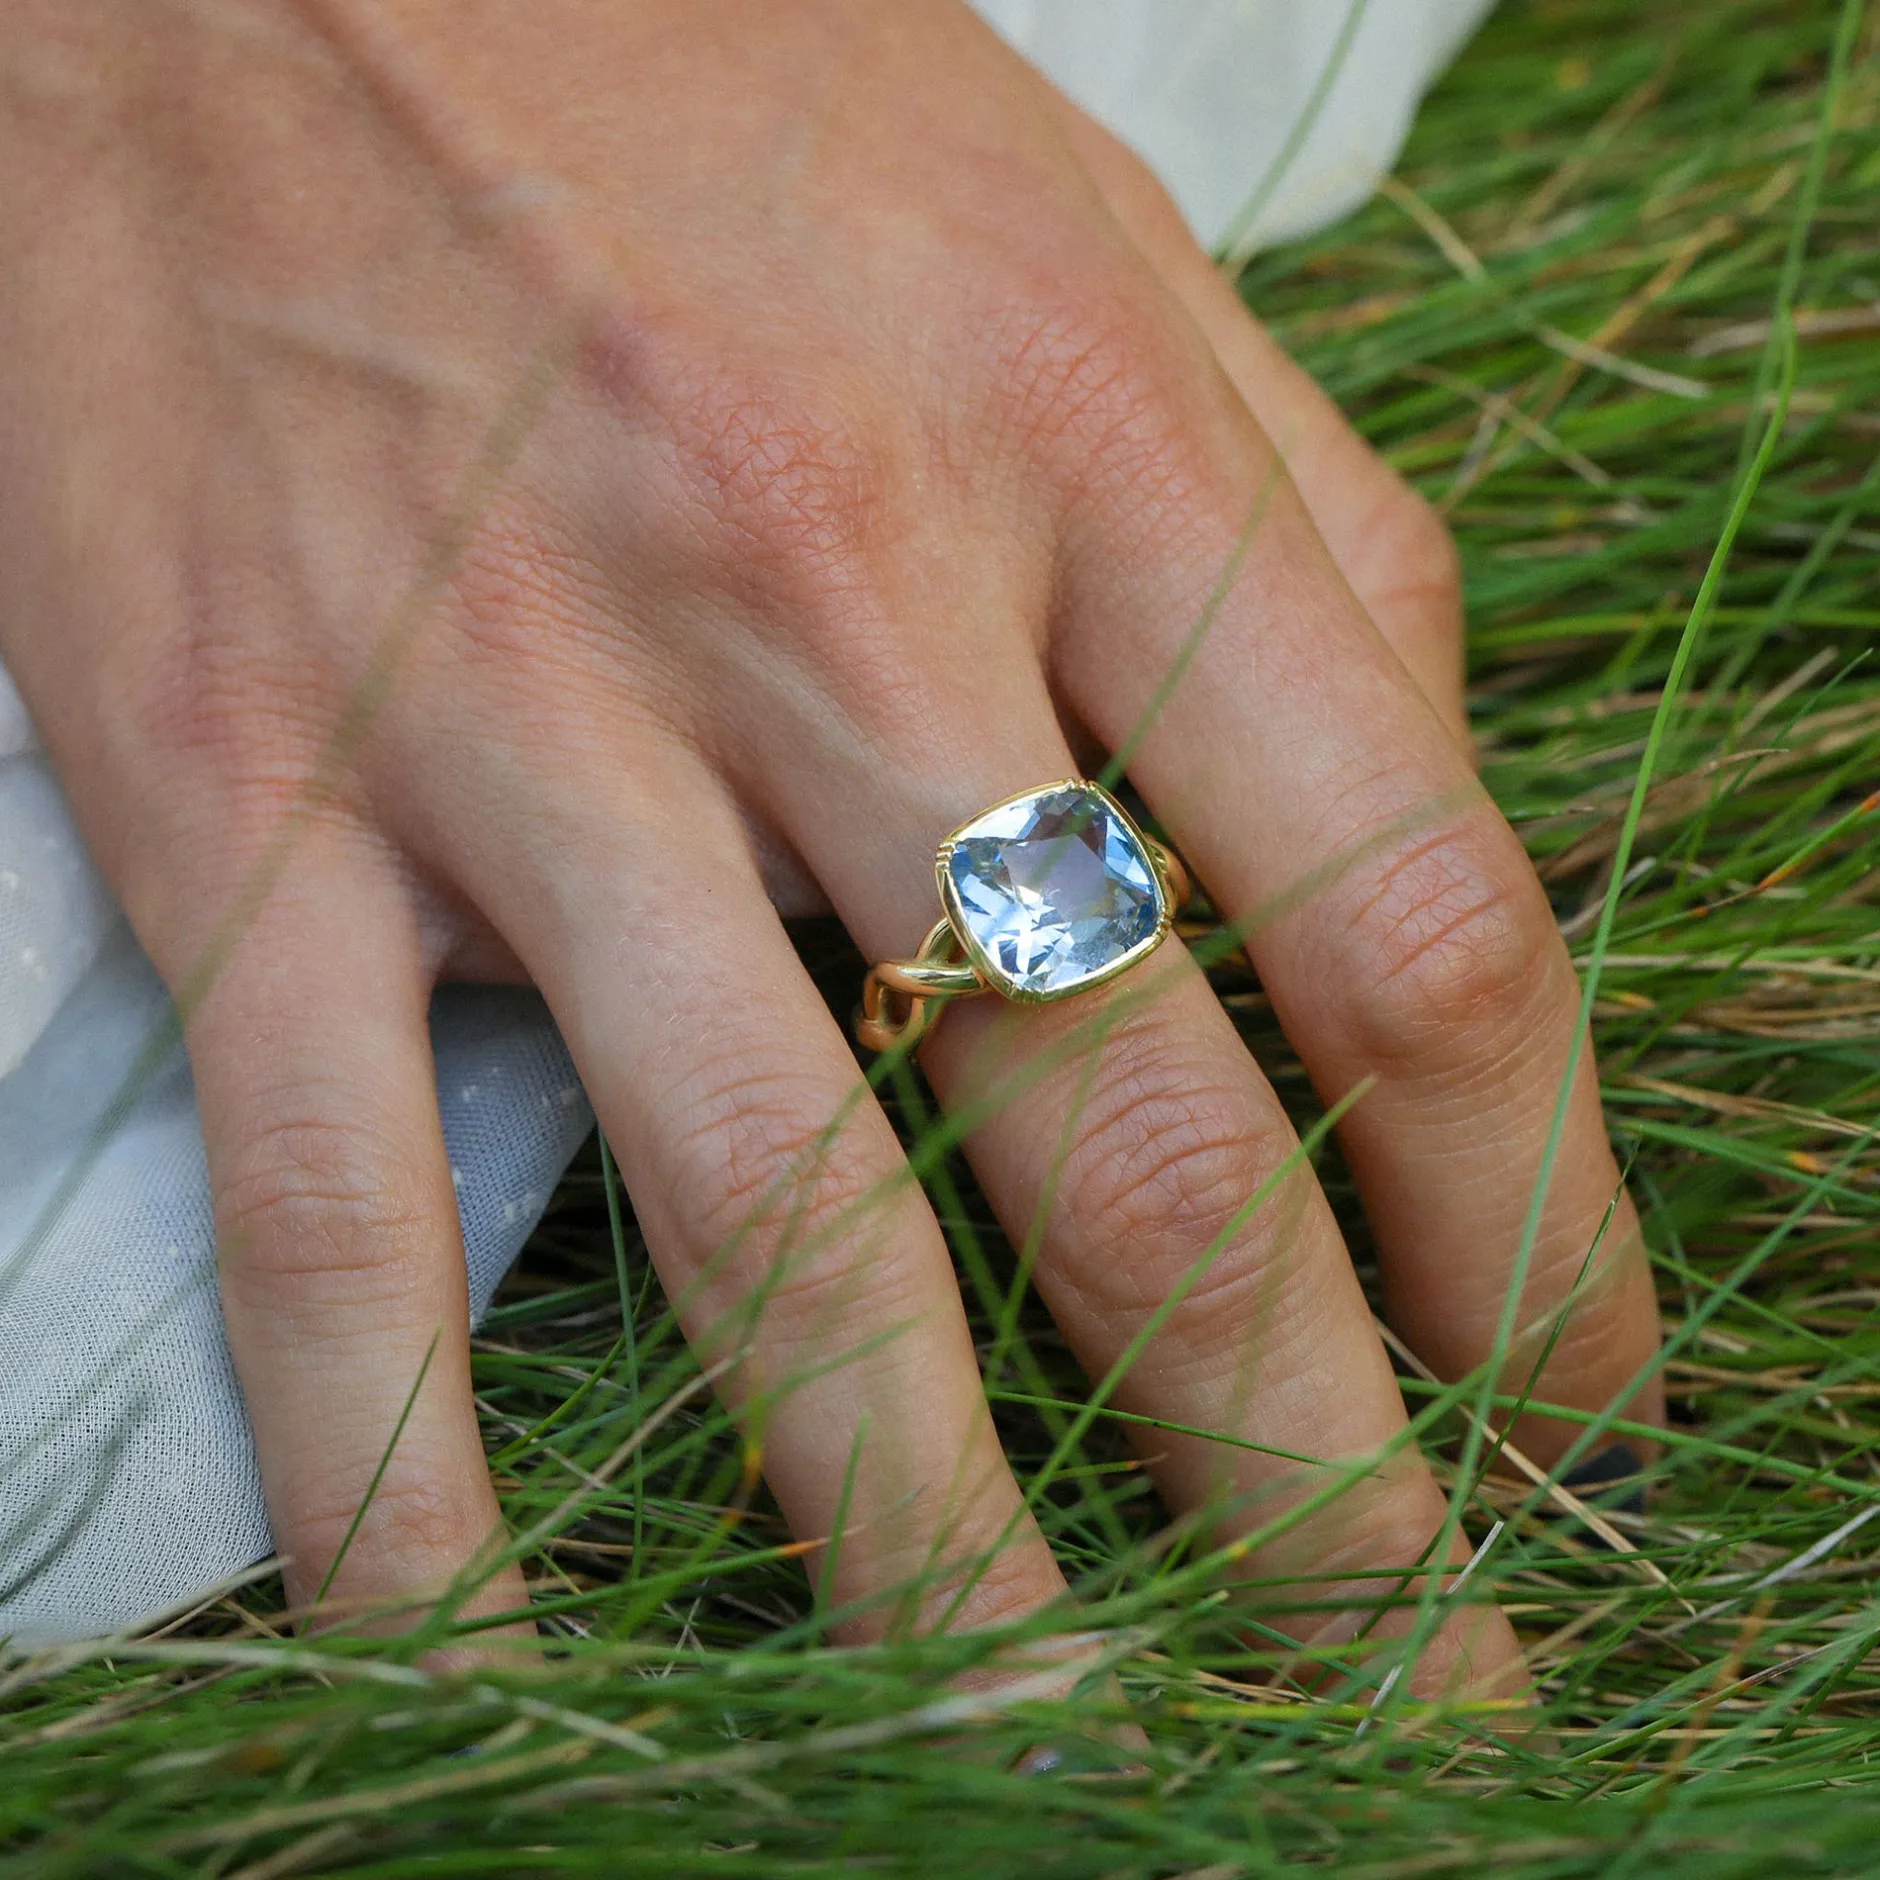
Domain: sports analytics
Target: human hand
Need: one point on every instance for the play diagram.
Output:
(792, 429)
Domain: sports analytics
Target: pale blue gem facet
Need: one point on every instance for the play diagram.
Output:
(1054, 890)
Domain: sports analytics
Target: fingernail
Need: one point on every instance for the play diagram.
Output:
(1606, 1469)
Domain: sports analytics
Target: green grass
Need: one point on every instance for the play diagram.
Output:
(1659, 181)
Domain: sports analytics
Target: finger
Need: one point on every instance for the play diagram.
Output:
(1393, 917)
(1390, 546)
(1133, 1128)
(774, 1197)
(342, 1269)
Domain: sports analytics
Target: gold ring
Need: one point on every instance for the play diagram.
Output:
(1047, 894)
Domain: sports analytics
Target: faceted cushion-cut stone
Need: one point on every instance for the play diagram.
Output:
(1052, 890)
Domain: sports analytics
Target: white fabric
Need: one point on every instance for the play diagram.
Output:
(127, 1475)
(1219, 96)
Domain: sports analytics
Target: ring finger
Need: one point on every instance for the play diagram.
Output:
(1134, 1128)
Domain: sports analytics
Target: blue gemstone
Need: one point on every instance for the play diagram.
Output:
(1053, 890)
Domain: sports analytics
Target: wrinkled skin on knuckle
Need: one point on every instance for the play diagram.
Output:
(1444, 956)
(208, 740)
(210, 700)
(326, 1212)
(1356, 1548)
(417, 1527)
(781, 1199)
(802, 515)
(782, 464)
(1099, 383)
(1159, 1184)
(243, 642)
(219, 733)
(1401, 558)
(539, 662)
(983, 1576)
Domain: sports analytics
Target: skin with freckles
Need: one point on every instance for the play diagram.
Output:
(533, 492)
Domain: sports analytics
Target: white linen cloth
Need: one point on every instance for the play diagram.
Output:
(127, 1474)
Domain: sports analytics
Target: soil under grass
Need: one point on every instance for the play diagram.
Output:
(1620, 308)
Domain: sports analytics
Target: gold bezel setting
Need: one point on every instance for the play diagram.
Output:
(992, 974)
(901, 997)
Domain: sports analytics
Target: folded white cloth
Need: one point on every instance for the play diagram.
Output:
(1265, 118)
(127, 1474)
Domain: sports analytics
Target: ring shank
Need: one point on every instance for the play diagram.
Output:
(898, 996)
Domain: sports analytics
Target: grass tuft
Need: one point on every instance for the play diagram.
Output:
(1618, 313)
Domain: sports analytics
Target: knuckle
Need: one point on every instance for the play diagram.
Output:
(313, 1197)
(809, 511)
(768, 1159)
(1407, 561)
(415, 1522)
(224, 682)
(1165, 1173)
(778, 1192)
(1124, 416)
(543, 655)
(805, 496)
(207, 701)
(1450, 955)
(1166, 1164)
(222, 733)
(977, 1587)
(1099, 379)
